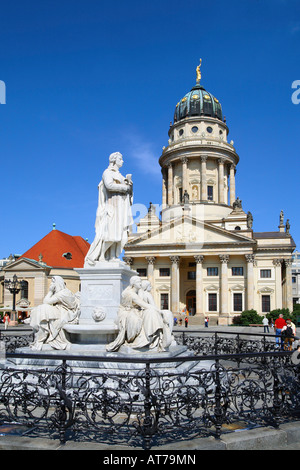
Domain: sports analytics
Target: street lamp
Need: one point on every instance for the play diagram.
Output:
(14, 286)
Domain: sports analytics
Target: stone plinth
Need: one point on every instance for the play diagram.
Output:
(101, 289)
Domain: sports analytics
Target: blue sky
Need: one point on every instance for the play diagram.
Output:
(87, 78)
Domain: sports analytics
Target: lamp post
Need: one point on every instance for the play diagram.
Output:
(14, 286)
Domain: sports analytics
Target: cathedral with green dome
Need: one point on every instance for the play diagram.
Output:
(198, 248)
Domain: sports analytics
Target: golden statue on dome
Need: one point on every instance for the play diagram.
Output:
(198, 72)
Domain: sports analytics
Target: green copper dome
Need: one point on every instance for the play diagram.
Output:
(198, 102)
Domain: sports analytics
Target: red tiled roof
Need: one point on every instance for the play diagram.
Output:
(53, 246)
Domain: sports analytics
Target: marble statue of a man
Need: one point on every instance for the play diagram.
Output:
(141, 324)
(114, 216)
(60, 306)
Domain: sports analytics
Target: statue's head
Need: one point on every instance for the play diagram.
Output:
(135, 281)
(58, 282)
(116, 158)
(146, 285)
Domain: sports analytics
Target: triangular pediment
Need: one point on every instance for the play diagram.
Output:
(186, 230)
(24, 264)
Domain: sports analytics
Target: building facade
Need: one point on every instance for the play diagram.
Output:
(200, 251)
(56, 254)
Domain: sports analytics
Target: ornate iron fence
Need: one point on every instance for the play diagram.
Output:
(144, 404)
(225, 342)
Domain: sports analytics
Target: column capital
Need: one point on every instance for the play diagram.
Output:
(250, 258)
(221, 160)
(287, 262)
(175, 259)
(169, 165)
(203, 158)
(150, 259)
(128, 260)
(224, 258)
(277, 262)
(184, 159)
(199, 259)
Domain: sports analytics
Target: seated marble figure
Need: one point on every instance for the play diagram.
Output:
(141, 324)
(60, 306)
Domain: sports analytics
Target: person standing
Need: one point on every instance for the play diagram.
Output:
(279, 324)
(288, 333)
(206, 322)
(266, 324)
(186, 321)
(6, 321)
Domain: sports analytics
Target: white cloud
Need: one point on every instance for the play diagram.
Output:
(143, 154)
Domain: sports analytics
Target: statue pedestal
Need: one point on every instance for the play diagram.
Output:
(101, 289)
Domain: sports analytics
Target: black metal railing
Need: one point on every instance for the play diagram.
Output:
(226, 342)
(142, 403)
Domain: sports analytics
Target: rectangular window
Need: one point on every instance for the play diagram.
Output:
(265, 273)
(191, 275)
(142, 272)
(237, 302)
(164, 301)
(212, 271)
(210, 193)
(265, 303)
(180, 195)
(294, 280)
(164, 272)
(212, 302)
(238, 271)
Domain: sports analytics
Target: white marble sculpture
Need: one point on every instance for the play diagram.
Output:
(114, 216)
(141, 324)
(60, 307)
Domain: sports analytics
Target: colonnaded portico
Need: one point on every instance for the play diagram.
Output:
(219, 286)
(201, 251)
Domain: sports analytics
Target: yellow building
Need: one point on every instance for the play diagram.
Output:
(201, 251)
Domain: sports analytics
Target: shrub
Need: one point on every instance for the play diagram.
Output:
(285, 312)
(247, 317)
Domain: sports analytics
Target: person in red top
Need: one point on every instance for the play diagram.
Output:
(279, 324)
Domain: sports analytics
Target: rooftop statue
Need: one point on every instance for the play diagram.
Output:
(198, 72)
(114, 216)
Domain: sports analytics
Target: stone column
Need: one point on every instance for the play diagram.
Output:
(250, 282)
(170, 184)
(232, 184)
(150, 270)
(175, 284)
(221, 180)
(184, 161)
(288, 287)
(199, 285)
(224, 284)
(164, 186)
(278, 283)
(203, 179)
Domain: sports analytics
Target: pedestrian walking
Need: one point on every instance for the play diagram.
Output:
(186, 321)
(206, 320)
